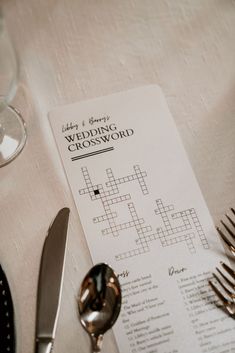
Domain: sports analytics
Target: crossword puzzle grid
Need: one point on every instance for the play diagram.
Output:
(168, 235)
(108, 198)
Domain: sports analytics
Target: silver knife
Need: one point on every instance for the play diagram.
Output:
(50, 282)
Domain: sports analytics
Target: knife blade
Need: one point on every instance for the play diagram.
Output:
(7, 329)
(50, 282)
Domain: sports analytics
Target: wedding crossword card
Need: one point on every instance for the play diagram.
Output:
(143, 213)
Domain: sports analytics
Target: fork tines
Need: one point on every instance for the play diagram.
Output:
(224, 287)
(227, 231)
(224, 280)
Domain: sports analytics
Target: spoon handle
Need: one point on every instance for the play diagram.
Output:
(96, 343)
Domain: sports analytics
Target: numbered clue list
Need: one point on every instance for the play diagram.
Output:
(143, 213)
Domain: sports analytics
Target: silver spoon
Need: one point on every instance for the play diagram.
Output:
(99, 302)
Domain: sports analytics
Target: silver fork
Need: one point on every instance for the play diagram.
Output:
(225, 286)
(226, 293)
(227, 231)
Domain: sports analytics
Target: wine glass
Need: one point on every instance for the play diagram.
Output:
(12, 126)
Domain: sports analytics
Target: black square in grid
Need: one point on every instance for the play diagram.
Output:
(96, 192)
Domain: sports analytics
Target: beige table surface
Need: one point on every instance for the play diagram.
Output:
(71, 50)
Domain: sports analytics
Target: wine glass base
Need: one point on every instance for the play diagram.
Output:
(12, 135)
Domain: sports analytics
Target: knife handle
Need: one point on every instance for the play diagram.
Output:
(43, 346)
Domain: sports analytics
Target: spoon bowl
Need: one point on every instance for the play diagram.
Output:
(99, 302)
